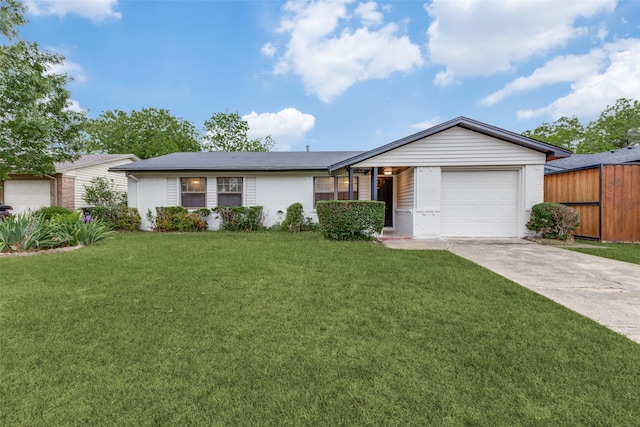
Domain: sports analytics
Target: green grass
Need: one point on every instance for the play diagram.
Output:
(627, 252)
(290, 329)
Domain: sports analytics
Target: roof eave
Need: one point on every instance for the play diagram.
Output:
(63, 169)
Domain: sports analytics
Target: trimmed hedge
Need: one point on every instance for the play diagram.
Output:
(294, 221)
(553, 220)
(350, 219)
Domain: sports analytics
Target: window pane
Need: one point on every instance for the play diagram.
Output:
(193, 192)
(344, 195)
(229, 185)
(229, 199)
(343, 183)
(193, 200)
(323, 185)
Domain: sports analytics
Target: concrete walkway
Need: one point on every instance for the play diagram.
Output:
(604, 290)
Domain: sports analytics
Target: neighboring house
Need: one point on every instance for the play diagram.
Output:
(461, 178)
(604, 188)
(65, 187)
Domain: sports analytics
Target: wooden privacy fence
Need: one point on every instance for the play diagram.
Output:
(607, 197)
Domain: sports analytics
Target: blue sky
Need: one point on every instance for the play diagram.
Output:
(346, 75)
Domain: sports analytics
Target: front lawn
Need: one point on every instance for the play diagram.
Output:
(290, 329)
(627, 252)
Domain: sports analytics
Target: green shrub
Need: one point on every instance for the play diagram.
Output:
(103, 192)
(294, 220)
(241, 218)
(52, 211)
(26, 232)
(310, 225)
(91, 232)
(176, 218)
(553, 220)
(350, 219)
(128, 219)
(120, 217)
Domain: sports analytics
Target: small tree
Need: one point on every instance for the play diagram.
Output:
(103, 192)
(109, 204)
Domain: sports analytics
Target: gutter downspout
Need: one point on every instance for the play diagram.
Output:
(130, 175)
(55, 189)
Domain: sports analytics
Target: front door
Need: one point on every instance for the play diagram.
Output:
(385, 194)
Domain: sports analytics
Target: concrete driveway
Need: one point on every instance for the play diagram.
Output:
(604, 290)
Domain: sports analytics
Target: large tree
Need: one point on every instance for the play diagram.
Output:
(37, 126)
(617, 127)
(566, 132)
(11, 17)
(147, 133)
(228, 132)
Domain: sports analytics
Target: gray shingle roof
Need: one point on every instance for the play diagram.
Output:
(577, 161)
(92, 159)
(241, 161)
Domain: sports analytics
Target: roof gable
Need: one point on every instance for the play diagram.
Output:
(549, 150)
(92, 160)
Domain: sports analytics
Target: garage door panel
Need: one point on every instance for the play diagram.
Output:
(24, 195)
(479, 204)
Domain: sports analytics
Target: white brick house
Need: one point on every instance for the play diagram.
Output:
(462, 178)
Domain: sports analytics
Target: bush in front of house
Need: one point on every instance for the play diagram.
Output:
(240, 218)
(52, 211)
(553, 220)
(119, 217)
(294, 220)
(103, 192)
(176, 218)
(109, 205)
(350, 219)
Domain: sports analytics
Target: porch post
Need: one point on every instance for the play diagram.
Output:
(374, 183)
(350, 183)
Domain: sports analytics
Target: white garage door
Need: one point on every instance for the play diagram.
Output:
(25, 195)
(479, 204)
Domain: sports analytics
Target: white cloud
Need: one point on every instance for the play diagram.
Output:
(287, 127)
(429, 123)
(96, 10)
(268, 50)
(369, 13)
(70, 68)
(481, 38)
(593, 91)
(330, 57)
(75, 106)
(568, 68)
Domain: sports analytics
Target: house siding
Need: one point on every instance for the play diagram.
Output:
(456, 147)
(84, 175)
(273, 191)
(405, 193)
